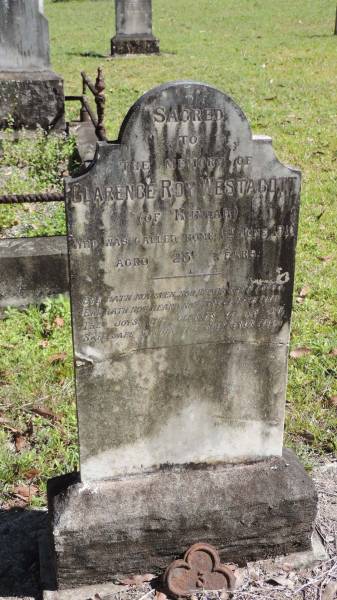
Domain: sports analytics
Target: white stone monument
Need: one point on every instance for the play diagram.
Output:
(31, 93)
(134, 28)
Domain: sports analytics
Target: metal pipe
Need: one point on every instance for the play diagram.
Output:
(90, 111)
(22, 198)
(89, 83)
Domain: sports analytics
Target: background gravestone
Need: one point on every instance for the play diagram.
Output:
(134, 28)
(30, 93)
(182, 243)
(32, 269)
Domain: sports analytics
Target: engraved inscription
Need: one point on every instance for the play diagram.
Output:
(182, 240)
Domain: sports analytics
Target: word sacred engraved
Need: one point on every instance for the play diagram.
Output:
(182, 115)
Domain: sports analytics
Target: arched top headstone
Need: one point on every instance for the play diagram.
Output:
(182, 238)
(171, 113)
(190, 102)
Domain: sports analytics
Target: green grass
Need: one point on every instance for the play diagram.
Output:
(36, 373)
(34, 164)
(278, 62)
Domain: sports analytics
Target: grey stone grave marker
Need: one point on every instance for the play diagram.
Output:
(182, 240)
(134, 28)
(32, 269)
(31, 93)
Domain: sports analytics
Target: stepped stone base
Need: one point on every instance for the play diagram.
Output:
(31, 99)
(139, 524)
(123, 44)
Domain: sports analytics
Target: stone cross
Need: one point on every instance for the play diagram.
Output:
(182, 247)
(134, 28)
(24, 36)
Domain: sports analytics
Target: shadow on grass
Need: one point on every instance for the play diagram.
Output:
(88, 54)
(24, 545)
(318, 35)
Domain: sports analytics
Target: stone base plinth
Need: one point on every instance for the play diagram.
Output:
(141, 523)
(31, 99)
(123, 44)
(32, 269)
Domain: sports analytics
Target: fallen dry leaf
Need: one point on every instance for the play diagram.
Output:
(44, 412)
(58, 322)
(301, 351)
(5, 423)
(25, 491)
(19, 441)
(304, 291)
(137, 579)
(31, 473)
(59, 357)
(43, 343)
(333, 352)
(325, 258)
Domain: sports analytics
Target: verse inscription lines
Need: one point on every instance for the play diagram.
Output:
(186, 311)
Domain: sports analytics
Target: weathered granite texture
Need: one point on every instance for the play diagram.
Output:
(31, 94)
(30, 99)
(134, 45)
(182, 244)
(24, 36)
(139, 524)
(32, 269)
(134, 28)
(86, 141)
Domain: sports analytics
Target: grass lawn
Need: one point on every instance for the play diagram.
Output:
(278, 62)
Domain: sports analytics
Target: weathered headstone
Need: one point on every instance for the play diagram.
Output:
(32, 269)
(31, 93)
(182, 240)
(134, 28)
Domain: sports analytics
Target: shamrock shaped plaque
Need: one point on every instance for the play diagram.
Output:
(200, 569)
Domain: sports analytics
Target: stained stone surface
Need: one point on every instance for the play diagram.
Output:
(31, 94)
(32, 269)
(139, 524)
(133, 17)
(182, 242)
(24, 36)
(134, 28)
(28, 99)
